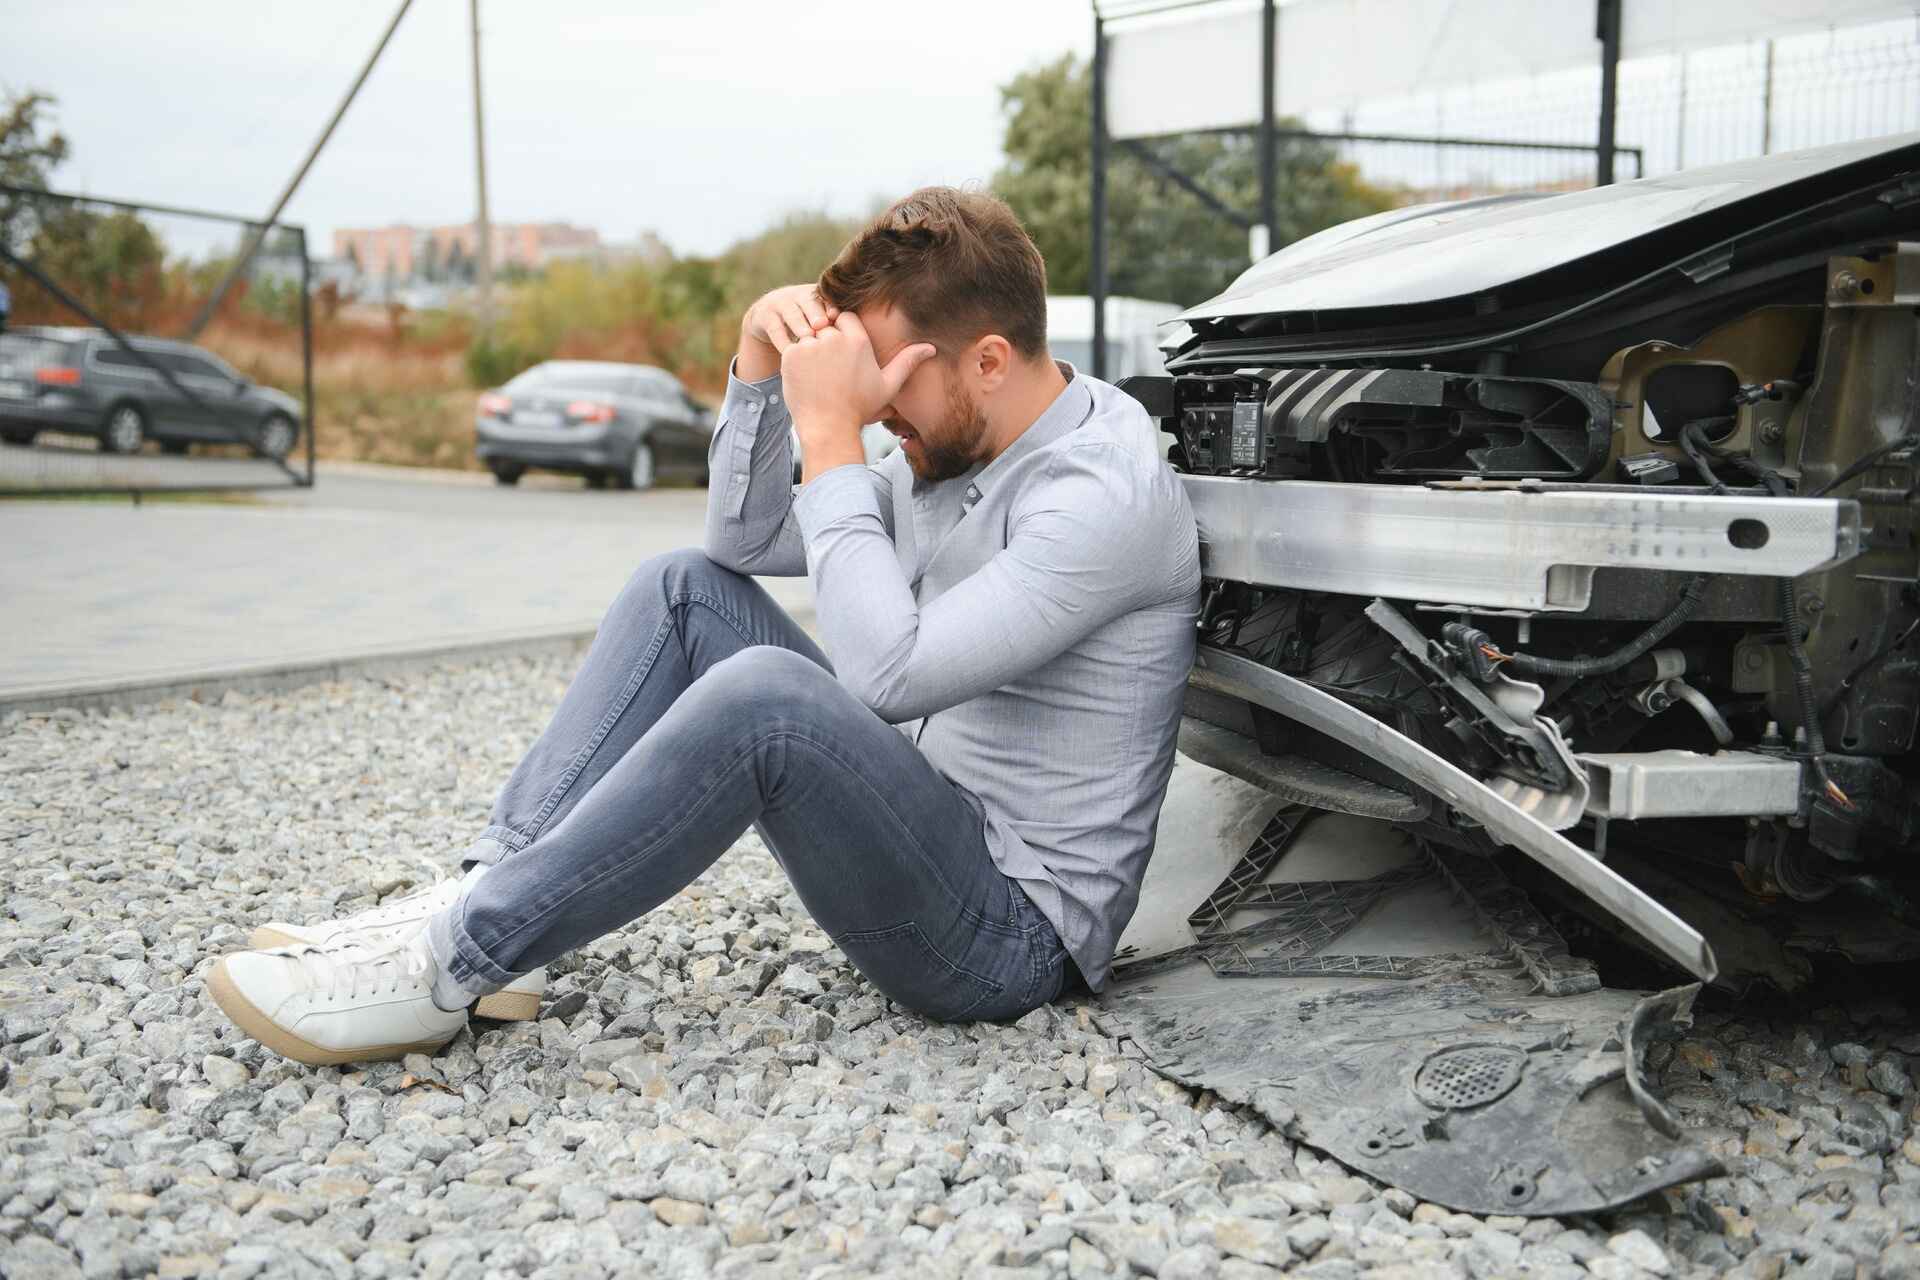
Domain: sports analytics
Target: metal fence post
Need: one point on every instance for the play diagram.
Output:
(1097, 277)
(1269, 195)
(306, 349)
(1609, 33)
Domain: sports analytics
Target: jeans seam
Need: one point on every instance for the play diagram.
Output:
(613, 864)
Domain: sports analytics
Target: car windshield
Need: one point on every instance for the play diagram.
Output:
(573, 378)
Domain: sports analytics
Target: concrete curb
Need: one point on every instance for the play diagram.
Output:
(204, 683)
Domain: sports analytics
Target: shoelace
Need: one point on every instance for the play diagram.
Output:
(407, 902)
(341, 969)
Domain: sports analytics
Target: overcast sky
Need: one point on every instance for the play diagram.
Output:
(700, 121)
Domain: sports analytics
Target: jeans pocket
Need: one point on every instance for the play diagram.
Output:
(910, 971)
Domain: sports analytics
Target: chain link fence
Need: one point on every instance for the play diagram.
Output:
(1680, 110)
(114, 374)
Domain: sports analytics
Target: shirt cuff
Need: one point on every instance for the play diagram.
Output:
(747, 402)
(838, 494)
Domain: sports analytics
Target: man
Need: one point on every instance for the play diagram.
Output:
(964, 799)
(6, 305)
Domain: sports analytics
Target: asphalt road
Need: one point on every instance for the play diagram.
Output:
(370, 558)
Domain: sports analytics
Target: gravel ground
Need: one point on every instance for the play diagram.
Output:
(714, 1090)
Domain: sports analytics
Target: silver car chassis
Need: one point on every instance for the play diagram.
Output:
(1515, 546)
(1239, 677)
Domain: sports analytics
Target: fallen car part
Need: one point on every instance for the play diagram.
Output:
(1425, 1052)
(1659, 928)
(1516, 548)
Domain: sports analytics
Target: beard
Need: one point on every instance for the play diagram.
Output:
(958, 444)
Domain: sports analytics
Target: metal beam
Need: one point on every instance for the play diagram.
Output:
(1608, 30)
(1097, 274)
(1145, 155)
(1269, 192)
(1505, 547)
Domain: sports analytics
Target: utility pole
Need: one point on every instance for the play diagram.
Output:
(1608, 30)
(259, 232)
(483, 226)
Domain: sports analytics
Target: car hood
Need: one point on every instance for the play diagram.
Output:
(278, 399)
(1442, 252)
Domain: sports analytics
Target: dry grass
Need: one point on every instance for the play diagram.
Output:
(382, 393)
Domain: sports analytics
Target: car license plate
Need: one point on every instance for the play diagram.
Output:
(535, 418)
(12, 389)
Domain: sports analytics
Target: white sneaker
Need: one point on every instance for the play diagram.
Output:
(518, 1001)
(350, 1002)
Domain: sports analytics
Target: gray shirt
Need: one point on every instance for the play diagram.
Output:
(1029, 625)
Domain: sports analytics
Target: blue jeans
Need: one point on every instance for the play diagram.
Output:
(703, 708)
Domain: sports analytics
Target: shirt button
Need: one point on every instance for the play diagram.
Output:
(973, 496)
(773, 399)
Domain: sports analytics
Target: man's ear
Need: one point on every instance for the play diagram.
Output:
(992, 359)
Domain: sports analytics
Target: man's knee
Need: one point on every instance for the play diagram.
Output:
(764, 682)
(676, 575)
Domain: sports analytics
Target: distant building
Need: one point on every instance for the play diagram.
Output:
(405, 253)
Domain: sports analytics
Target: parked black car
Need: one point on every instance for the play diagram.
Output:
(84, 382)
(628, 423)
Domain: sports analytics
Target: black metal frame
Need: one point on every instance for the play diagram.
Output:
(1604, 148)
(79, 308)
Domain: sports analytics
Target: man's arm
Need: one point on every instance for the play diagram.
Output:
(750, 526)
(1086, 552)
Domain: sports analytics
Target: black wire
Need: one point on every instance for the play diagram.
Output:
(1579, 668)
(1866, 462)
(1797, 659)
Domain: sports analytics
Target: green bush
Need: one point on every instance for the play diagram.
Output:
(492, 362)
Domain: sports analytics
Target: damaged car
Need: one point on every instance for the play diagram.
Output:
(1562, 592)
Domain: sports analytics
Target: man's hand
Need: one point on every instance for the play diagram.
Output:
(775, 323)
(835, 386)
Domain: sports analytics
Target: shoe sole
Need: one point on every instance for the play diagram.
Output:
(283, 1042)
(501, 1006)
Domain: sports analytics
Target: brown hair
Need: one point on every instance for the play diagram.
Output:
(957, 263)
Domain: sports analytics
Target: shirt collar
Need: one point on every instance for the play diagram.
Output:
(1069, 409)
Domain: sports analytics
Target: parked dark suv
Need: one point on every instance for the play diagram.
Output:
(82, 381)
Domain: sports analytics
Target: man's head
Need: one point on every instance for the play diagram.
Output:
(953, 268)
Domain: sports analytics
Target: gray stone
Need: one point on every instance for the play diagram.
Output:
(1195, 1262)
(1890, 1078)
(1490, 1253)
(1638, 1248)
(224, 1073)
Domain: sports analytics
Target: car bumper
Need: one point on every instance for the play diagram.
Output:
(40, 415)
(560, 449)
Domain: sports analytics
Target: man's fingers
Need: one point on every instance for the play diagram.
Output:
(815, 311)
(796, 319)
(777, 336)
(901, 367)
(849, 323)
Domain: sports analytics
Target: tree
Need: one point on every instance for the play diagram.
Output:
(110, 261)
(27, 156)
(1162, 242)
(796, 248)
